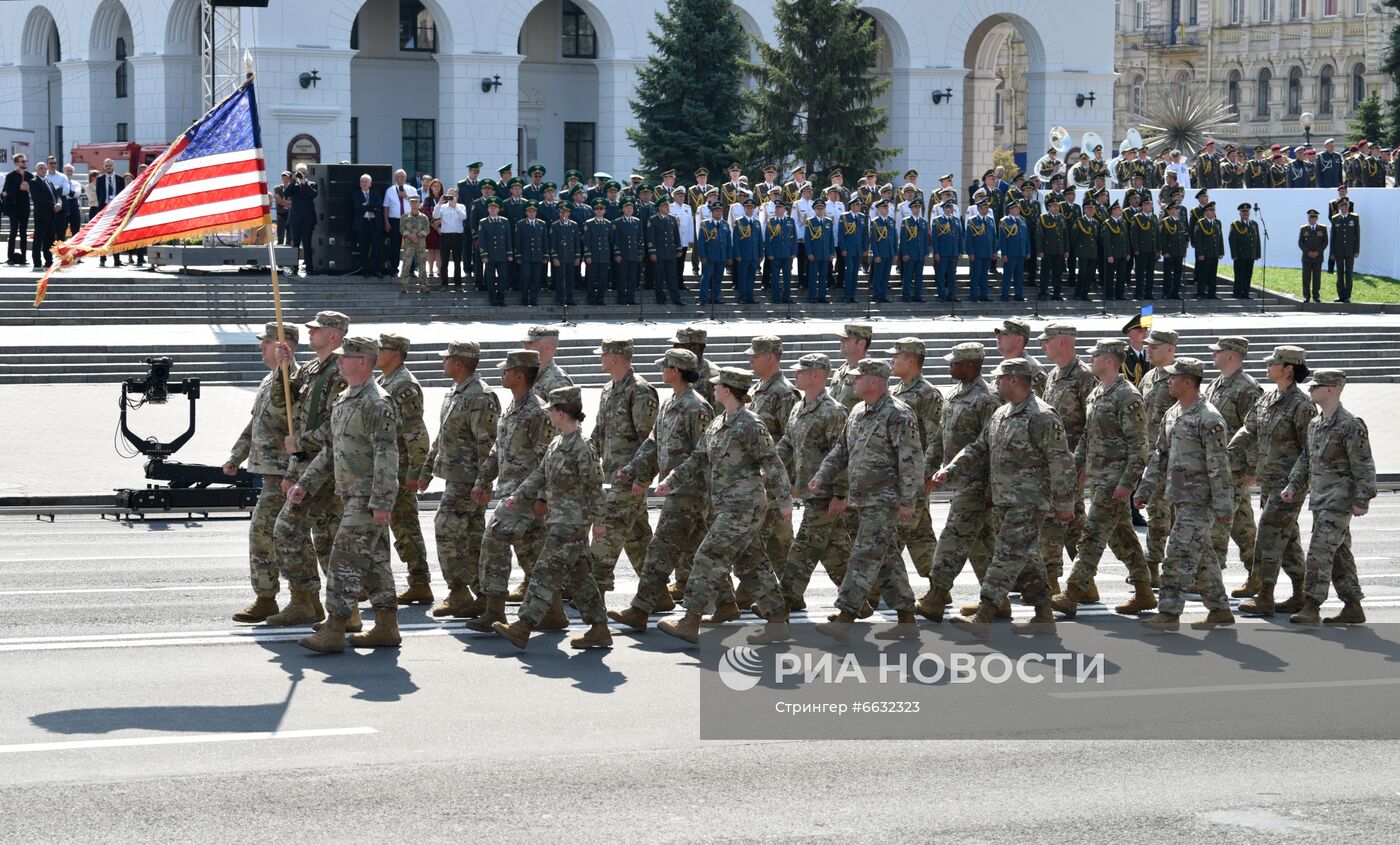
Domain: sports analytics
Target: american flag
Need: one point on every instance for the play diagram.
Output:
(211, 179)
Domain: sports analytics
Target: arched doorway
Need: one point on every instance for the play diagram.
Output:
(113, 92)
(560, 43)
(175, 73)
(40, 47)
(998, 95)
(394, 98)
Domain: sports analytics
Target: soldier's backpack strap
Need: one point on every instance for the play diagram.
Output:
(316, 408)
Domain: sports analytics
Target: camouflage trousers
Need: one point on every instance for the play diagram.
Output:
(777, 539)
(564, 563)
(876, 560)
(1330, 561)
(734, 542)
(1057, 537)
(414, 257)
(917, 536)
(1278, 542)
(820, 537)
(408, 534)
(1190, 552)
(262, 546)
(686, 561)
(1017, 557)
(1108, 523)
(968, 533)
(679, 533)
(458, 526)
(508, 528)
(1241, 530)
(1159, 525)
(359, 560)
(303, 534)
(625, 517)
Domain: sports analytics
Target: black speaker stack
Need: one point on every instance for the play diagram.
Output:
(336, 249)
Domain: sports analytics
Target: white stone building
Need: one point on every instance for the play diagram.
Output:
(414, 82)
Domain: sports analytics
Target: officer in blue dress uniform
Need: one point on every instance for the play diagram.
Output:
(913, 251)
(821, 245)
(714, 244)
(747, 251)
(1014, 243)
(598, 251)
(946, 230)
(884, 247)
(494, 234)
(565, 253)
(780, 245)
(629, 251)
(980, 246)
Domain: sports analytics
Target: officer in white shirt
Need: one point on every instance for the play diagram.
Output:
(1180, 168)
(396, 200)
(685, 223)
(452, 218)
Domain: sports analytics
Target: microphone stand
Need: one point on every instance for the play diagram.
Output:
(1264, 279)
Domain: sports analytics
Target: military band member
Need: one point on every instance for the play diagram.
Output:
(1312, 241)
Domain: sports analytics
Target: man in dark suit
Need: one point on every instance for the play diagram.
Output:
(48, 210)
(468, 192)
(301, 216)
(109, 184)
(369, 227)
(1312, 240)
(14, 201)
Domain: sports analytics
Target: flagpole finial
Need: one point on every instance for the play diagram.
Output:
(248, 62)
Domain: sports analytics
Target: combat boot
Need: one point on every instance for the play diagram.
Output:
(495, 612)
(1249, 589)
(980, 622)
(794, 605)
(866, 611)
(906, 627)
(1054, 583)
(931, 605)
(597, 636)
(517, 595)
(1092, 595)
(258, 611)
(633, 617)
(1068, 601)
(1155, 568)
(1143, 599)
(416, 594)
(1294, 602)
(1262, 604)
(1043, 622)
(839, 628)
(1004, 612)
(1163, 621)
(353, 625)
(677, 590)
(329, 640)
(457, 604)
(688, 628)
(664, 603)
(726, 612)
(1351, 614)
(362, 597)
(776, 631)
(743, 597)
(301, 610)
(518, 632)
(384, 634)
(874, 598)
(1214, 619)
(554, 619)
(316, 604)
(1307, 615)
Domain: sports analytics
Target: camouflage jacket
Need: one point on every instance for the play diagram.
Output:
(1274, 434)
(879, 452)
(569, 481)
(1024, 456)
(680, 426)
(1111, 452)
(1189, 465)
(812, 430)
(523, 434)
(1337, 470)
(772, 402)
(315, 386)
(465, 435)
(1233, 396)
(728, 460)
(551, 377)
(703, 386)
(413, 227)
(925, 402)
(1067, 391)
(843, 385)
(966, 413)
(363, 456)
(626, 414)
(261, 444)
(1158, 399)
(407, 396)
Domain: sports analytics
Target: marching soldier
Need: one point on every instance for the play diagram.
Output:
(773, 399)
(855, 345)
(1156, 394)
(926, 403)
(598, 251)
(695, 339)
(1234, 393)
(544, 341)
(1067, 389)
(1244, 250)
(406, 395)
(1012, 336)
(1346, 246)
(1312, 241)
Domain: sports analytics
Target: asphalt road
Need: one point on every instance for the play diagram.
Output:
(135, 711)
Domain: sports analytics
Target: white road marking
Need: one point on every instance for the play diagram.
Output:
(1282, 685)
(75, 745)
(89, 590)
(113, 558)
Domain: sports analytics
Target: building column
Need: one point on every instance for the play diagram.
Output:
(286, 109)
(1050, 101)
(167, 95)
(617, 80)
(929, 135)
(84, 112)
(474, 125)
(27, 87)
(979, 128)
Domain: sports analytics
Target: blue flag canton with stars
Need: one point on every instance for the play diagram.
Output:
(230, 127)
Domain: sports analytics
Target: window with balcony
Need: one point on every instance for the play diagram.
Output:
(1329, 8)
(1236, 11)
(1297, 9)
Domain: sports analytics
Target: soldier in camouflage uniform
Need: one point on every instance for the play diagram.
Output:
(312, 523)
(1110, 456)
(774, 397)
(1030, 471)
(407, 395)
(626, 414)
(968, 532)
(680, 426)
(1274, 435)
(879, 452)
(926, 403)
(1233, 393)
(1012, 336)
(263, 445)
(1067, 389)
(523, 433)
(466, 435)
(736, 461)
(813, 428)
(362, 460)
(568, 485)
(1189, 468)
(414, 231)
(1340, 477)
(694, 339)
(855, 345)
(544, 340)
(1156, 394)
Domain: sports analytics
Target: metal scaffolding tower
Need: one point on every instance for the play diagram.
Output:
(221, 51)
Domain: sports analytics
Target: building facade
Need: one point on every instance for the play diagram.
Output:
(433, 84)
(1270, 61)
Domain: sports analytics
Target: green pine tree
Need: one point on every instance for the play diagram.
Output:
(1367, 122)
(1391, 65)
(813, 101)
(681, 91)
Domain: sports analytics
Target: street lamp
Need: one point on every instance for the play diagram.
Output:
(1306, 119)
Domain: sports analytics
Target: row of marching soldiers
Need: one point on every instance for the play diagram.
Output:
(860, 451)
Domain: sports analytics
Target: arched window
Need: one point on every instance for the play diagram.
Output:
(1261, 94)
(1324, 91)
(1232, 92)
(1183, 83)
(1295, 91)
(1358, 86)
(1137, 94)
(580, 40)
(121, 69)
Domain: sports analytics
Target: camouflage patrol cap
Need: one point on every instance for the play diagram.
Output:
(967, 352)
(330, 320)
(462, 349)
(1058, 330)
(1110, 346)
(541, 332)
(1288, 355)
(396, 342)
(733, 377)
(873, 367)
(1186, 367)
(520, 358)
(1157, 337)
(1233, 344)
(1014, 325)
(1328, 378)
(1013, 367)
(681, 359)
(765, 343)
(855, 330)
(690, 335)
(359, 346)
(813, 361)
(911, 345)
(570, 395)
(289, 331)
(615, 346)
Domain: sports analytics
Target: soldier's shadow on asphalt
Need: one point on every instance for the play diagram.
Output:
(1223, 642)
(375, 674)
(232, 718)
(548, 656)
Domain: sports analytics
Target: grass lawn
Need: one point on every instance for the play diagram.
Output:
(1289, 280)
